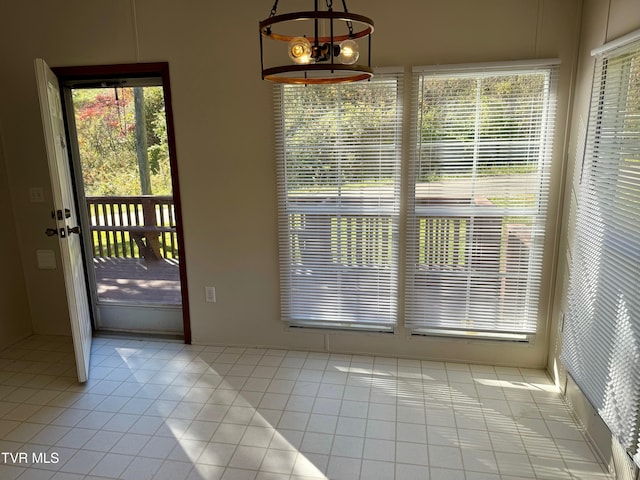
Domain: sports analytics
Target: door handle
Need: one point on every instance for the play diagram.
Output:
(75, 230)
(50, 232)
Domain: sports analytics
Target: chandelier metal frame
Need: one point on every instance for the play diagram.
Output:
(324, 69)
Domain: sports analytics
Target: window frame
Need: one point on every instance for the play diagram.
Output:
(418, 324)
(344, 313)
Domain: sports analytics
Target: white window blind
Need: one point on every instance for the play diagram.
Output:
(477, 214)
(601, 341)
(339, 153)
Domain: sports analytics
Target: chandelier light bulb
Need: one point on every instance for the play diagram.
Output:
(300, 51)
(349, 52)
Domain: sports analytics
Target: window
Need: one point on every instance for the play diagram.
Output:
(601, 344)
(338, 149)
(478, 208)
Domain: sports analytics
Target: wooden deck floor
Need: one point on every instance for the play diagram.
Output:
(134, 280)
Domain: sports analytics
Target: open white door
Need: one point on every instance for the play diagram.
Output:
(66, 215)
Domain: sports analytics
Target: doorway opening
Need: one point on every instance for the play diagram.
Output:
(120, 134)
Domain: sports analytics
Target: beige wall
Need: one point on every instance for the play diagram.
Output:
(602, 21)
(224, 133)
(15, 320)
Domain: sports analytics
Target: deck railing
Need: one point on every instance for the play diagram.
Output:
(144, 227)
(133, 227)
(456, 241)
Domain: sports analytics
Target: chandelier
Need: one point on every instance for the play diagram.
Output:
(322, 46)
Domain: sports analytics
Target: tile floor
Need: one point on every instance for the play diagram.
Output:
(167, 411)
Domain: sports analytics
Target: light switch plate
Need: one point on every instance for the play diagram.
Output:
(210, 294)
(46, 259)
(36, 195)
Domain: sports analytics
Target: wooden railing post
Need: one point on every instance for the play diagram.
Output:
(151, 220)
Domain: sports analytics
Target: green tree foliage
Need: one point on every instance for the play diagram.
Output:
(105, 124)
(333, 133)
(633, 106)
(487, 123)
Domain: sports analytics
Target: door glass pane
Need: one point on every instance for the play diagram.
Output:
(123, 146)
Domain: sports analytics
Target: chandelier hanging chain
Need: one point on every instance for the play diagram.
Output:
(348, 22)
(274, 9)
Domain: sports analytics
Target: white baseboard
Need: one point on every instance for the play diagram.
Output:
(605, 446)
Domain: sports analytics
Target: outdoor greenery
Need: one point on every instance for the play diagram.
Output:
(106, 128)
(334, 135)
(483, 126)
(478, 135)
(480, 126)
(120, 244)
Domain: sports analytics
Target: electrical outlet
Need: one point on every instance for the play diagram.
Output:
(210, 294)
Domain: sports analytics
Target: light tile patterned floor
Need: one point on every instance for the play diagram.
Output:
(167, 411)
